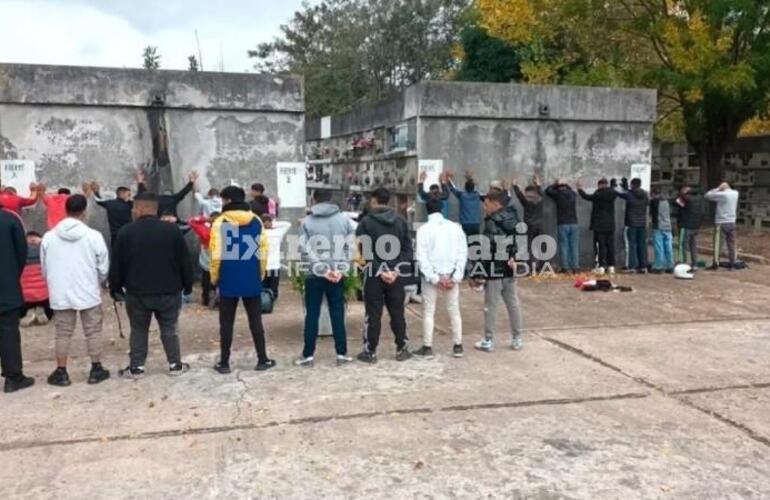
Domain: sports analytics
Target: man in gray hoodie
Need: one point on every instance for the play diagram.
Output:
(326, 244)
(726, 199)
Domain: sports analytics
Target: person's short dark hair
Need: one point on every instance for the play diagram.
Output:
(434, 187)
(266, 218)
(496, 196)
(382, 195)
(34, 233)
(64, 191)
(322, 195)
(636, 182)
(213, 192)
(258, 187)
(167, 212)
(234, 194)
(603, 182)
(470, 185)
(146, 198)
(122, 189)
(530, 189)
(433, 206)
(76, 205)
(260, 205)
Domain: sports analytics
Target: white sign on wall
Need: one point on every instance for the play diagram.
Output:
(292, 185)
(642, 171)
(17, 174)
(432, 169)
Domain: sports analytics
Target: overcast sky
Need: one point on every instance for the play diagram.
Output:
(114, 32)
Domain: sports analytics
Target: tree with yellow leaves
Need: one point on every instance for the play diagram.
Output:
(709, 59)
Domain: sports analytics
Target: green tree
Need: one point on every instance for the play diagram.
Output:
(709, 59)
(151, 58)
(192, 64)
(484, 58)
(350, 51)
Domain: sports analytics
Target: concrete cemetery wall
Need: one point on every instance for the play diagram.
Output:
(81, 123)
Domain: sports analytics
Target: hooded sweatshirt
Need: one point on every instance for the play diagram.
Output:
(564, 197)
(499, 229)
(660, 211)
(75, 263)
(636, 207)
(385, 222)
(470, 204)
(238, 246)
(727, 205)
(602, 209)
(690, 207)
(532, 203)
(326, 239)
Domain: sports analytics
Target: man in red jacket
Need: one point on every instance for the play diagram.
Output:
(36, 307)
(11, 201)
(54, 204)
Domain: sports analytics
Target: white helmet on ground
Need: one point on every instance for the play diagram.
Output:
(683, 272)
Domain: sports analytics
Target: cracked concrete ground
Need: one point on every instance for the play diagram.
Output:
(659, 393)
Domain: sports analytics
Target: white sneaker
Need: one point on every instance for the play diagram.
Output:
(599, 270)
(305, 362)
(611, 270)
(517, 344)
(484, 345)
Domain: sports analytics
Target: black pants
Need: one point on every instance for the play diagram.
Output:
(227, 308)
(140, 310)
(604, 241)
(271, 281)
(377, 294)
(533, 231)
(10, 344)
(46, 305)
(206, 287)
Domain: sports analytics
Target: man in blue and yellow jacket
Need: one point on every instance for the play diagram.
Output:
(238, 249)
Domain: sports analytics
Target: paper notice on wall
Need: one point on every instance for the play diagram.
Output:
(292, 185)
(642, 171)
(17, 174)
(432, 170)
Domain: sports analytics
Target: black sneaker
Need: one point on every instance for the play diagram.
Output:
(222, 368)
(177, 369)
(403, 354)
(457, 351)
(263, 366)
(424, 352)
(367, 357)
(18, 383)
(132, 372)
(60, 378)
(98, 374)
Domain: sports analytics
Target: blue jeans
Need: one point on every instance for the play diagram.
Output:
(569, 246)
(315, 288)
(664, 250)
(637, 247)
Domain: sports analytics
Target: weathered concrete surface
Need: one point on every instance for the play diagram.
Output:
(81, 124)
(611, 397)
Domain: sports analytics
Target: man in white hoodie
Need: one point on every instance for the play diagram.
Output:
(75, 263)
(442, 252)
(726, 199)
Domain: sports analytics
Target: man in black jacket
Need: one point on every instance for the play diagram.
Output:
(386, 246)
(690, 212)
(13, 256)
(566, 224)
(150, 268)
(602, 223)
(637, 202)
(496, 269)
(119, 209)
(531, 200)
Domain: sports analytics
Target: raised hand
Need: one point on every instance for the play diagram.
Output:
(423, 176)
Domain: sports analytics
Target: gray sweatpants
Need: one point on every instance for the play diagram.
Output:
(64, 322)
(494, 290)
